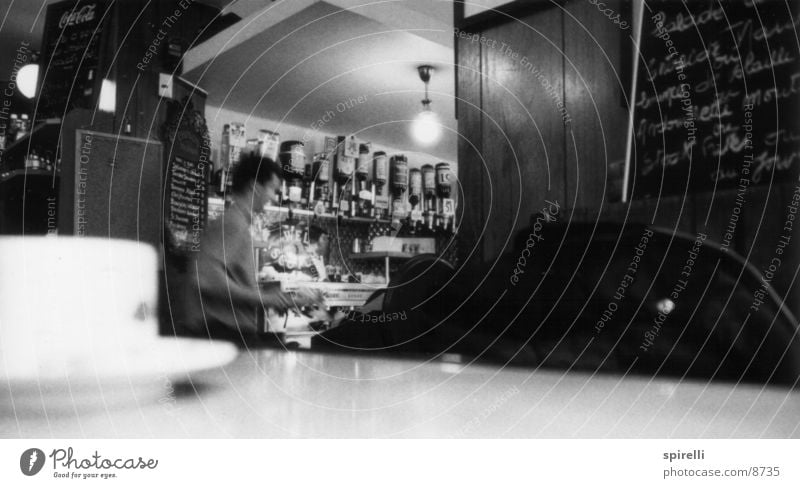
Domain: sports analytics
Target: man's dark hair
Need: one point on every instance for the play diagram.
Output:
(252, 168)
(315, 232)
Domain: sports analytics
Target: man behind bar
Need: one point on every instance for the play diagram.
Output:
(223, 297)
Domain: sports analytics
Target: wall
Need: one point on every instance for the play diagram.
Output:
(543, 114)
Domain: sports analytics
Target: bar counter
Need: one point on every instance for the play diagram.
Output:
(269, 393)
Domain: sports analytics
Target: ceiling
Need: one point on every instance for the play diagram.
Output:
(295, 60)
(301, 62)
(23, 20)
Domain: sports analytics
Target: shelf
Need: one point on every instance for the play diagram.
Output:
(10, 175)
(310, 213)
(43, 130)
(381, 255)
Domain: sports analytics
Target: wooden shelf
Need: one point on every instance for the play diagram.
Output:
(310, 213)
(381, 255)
(10, 175)
(47, 129)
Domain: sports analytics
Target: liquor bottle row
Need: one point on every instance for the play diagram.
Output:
(42, 160)
(348, 179)
(353, 181)
(18, 126)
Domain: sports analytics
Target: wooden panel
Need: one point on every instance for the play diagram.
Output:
(73, 121)
(471, 167)
(523, 131)
(593, 88)
(118, 184)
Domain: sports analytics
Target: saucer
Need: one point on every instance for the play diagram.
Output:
(122, 372)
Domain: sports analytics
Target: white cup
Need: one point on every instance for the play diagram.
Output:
(67, 303)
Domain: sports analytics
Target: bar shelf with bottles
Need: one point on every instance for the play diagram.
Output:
(349, 183)
(354, 194)
(28, 150)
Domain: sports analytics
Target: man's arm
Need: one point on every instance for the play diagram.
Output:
(216, 283)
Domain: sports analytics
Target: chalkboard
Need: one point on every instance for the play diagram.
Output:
(716, 97)
(188, 173)
(186, 201)
(73, 36)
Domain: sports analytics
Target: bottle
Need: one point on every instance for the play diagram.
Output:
(13, 128)
(293, 162)
(415, 187)
(364, 192)
(380, 178)
(321, 174)
(442, 185)
(268, 144)
(429, 195)
(221, 181)
(429, 183)
(35, 161)
(399, 165)
(399, 172)
(24, 126)
(295, 192)
(344, 167)
(307, 197)
(381, 170)
(293, 158)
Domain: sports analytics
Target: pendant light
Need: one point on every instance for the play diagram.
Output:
(426, 128)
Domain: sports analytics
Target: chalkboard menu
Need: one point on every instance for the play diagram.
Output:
(716, 96)
(186, 201)
(188, 173)
(74, 34)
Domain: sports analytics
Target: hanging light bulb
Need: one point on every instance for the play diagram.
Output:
(27, 77)
(108, 96)
(426, 128)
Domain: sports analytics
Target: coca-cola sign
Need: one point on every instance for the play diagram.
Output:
(77, 17)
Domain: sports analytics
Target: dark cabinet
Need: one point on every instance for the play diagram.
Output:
(112, 188)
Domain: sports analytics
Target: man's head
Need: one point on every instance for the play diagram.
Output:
(317, 236)
(256, 178)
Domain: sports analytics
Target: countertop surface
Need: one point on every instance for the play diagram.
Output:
(270, 393)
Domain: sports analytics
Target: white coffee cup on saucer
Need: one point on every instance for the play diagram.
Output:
(68, 303)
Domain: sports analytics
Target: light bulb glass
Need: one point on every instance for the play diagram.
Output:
(108, 96)
(27, 76)
(426, 128)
